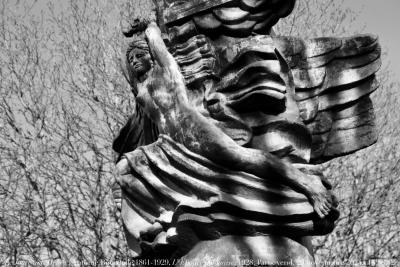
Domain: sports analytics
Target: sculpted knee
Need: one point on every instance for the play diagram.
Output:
(122, 167)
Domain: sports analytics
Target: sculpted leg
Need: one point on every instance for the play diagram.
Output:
(187, 126)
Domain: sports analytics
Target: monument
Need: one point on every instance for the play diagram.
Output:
(218, 162)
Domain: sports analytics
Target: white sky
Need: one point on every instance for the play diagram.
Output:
(382, 17)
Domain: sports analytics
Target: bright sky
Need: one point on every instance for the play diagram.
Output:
(382, 17)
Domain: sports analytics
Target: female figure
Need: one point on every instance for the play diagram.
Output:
(161, 91)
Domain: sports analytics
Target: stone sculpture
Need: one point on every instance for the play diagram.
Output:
(218, 159)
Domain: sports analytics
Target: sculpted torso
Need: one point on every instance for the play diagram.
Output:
(273, 153)
(163, 95)
(216, 156)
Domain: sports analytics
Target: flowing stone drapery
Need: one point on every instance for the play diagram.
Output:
(170, 187)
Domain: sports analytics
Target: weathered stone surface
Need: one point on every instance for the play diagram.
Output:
(138, 131)
(356, 109)
(309, 79)
(182, 33)
(160, 171)
(234, 18)
(240, 116)
(175, 10)
(332, 75)
(347, 141)
(321, 124)
(196, 59)
(248, 251)
(341, 97)
(172, 187)
(343, 130)
(246, 50)
(299, 54)
(231, 15)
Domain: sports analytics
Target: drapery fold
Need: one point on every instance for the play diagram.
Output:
(176, 188)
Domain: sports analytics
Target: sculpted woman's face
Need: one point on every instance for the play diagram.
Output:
(140, 61)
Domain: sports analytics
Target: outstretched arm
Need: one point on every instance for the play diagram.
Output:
(187, 126)
(166, 69)
(159, 50)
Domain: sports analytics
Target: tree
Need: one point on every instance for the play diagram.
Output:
(63, 99)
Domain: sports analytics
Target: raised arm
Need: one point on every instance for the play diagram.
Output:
(160, 52)
(184, 124)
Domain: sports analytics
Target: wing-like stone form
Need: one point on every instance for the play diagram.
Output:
(251, 109)
(333, 79)
(231, 17)
(196, 59)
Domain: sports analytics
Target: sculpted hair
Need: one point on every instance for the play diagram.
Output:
(139, 44)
